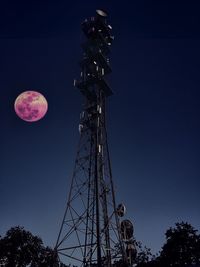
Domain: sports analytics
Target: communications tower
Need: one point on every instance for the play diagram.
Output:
(91, 232)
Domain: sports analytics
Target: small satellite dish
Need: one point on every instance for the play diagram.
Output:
(126, 229)
(101, 13)
(121, 210)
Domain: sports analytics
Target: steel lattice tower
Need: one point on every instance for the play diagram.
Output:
(90, 233)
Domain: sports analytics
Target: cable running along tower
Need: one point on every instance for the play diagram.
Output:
(91, 233)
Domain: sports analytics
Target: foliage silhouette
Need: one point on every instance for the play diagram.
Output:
(182, 246)
(19, 248)
(144, 254)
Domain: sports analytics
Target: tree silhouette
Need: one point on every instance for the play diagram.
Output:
(144, 254)
(182, 246)
(19, 248)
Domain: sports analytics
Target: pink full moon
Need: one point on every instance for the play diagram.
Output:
(31, 106)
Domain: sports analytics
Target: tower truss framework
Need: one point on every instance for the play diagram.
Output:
(90, 232)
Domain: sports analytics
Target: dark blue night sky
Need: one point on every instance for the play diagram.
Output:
(153, 117)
